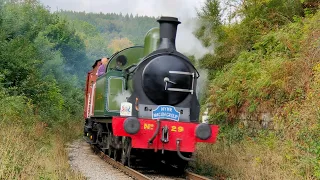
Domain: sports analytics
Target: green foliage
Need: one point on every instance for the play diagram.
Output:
(210, 31)
(311, 146)
(231, 133)
(275, 75)
(262, 62)
(193, 60)
(261, 74)
(70, 45)
(29, 149)
(257, 18)
(270, 13)
(249, 53)
(16, 109)
(41, 61)
(97, 46)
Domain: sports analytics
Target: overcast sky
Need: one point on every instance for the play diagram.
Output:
(178, 8)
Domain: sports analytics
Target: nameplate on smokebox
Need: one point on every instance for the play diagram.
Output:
(166, 112)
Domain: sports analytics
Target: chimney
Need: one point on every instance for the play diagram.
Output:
(168, 31)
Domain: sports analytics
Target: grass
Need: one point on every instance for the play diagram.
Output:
(260, 158)
(29, 147)
(38, 153)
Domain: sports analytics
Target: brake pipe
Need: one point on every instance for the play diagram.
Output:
(179, 153)
(155, 133)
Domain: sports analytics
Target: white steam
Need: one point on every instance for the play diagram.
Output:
(202, 82)
(122, 97)
(187, 43)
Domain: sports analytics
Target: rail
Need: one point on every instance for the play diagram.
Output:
(193, 176)
(135, 174)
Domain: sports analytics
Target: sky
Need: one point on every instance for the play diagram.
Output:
(156, 8)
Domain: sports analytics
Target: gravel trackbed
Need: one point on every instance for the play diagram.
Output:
(82, 159)
(90, 165)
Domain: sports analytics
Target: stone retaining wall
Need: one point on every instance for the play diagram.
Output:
(262, 120)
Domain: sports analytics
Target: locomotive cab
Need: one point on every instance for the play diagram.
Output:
(111, 86)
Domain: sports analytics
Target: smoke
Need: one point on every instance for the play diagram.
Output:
(122, 97)
(202, 82)
(187, 43)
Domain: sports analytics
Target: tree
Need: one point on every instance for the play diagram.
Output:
(96, 47)
(210, 16)
(36, 48)
(70, 45)
(119, 44)
(256, 19)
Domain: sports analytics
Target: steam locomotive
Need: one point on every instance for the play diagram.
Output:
(147, 111)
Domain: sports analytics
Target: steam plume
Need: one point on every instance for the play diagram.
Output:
(122, 97)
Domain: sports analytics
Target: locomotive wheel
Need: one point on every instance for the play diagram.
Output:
(126, 151)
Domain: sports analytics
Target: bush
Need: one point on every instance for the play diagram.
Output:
(267, 77)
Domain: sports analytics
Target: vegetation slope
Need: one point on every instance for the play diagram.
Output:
(40, 96)
(266, 63)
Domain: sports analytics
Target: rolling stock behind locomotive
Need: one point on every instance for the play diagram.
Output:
(158, 119)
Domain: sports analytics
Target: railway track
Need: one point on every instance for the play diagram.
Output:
(141, 176)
